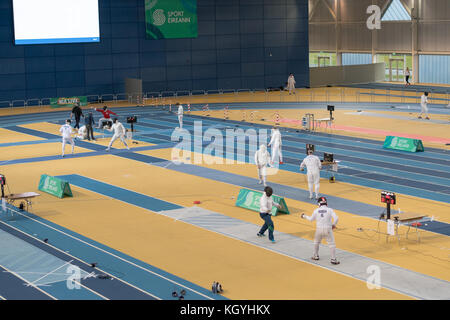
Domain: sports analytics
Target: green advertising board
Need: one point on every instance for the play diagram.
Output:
(55, 186)
(249, 199)
(68, 102)
(171, 19)
(404, 144)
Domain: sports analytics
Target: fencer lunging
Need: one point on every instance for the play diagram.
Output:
(275, 144)
(119, 132)
(66, 133)
(326, 221)
(262, 160)
(180, 115)
(313, 166)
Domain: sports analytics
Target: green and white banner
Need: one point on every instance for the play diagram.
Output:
(249, 199)
(54, 186)
(404, 144)
(171, 19)
(68, 102)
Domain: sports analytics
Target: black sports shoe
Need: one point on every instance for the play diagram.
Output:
(260, 234)
(315, 257)
(334, 261)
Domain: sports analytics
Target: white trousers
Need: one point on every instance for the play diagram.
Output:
(423, 109)
(180, 120)
(104, 119)
(313, 180)
(276, 153)
(327, 233)
(262, 173)
(67, 140)
(114, 138)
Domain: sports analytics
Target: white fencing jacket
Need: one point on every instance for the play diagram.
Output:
(262, 157)
(324, 216)
(118, 128)
(66, 131)
(312, 163)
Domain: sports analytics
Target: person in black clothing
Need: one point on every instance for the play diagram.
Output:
(89, 122)
(76, 110)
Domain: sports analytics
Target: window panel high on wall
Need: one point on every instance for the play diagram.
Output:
(356, 58)
(434, 68)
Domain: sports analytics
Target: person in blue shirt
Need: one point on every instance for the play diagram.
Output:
(89, 122)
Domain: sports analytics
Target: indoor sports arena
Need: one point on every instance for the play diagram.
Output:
(224, 150)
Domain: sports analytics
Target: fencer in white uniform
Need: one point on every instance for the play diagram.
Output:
(275, 144)
(291, 83)
(326, 221)
(262, 160)
(180, 115)
(119, 132)
(66, 133)
(313, 166)
(424, 106)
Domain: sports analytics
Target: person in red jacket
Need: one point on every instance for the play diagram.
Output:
(106, 115)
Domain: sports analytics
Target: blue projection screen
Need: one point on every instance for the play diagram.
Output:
(55, 21)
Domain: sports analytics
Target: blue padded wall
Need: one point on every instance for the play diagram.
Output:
(434, 69)
(241, 44)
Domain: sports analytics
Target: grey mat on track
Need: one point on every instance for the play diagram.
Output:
(398, 279)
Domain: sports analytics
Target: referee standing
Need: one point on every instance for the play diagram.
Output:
(266, 204)
(76, 110)
(89, 122)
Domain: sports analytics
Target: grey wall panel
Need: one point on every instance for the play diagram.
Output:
(434, 37)
(394, 37)
(435, 10)
(342, 75)
(356, 37)
(322, 37)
